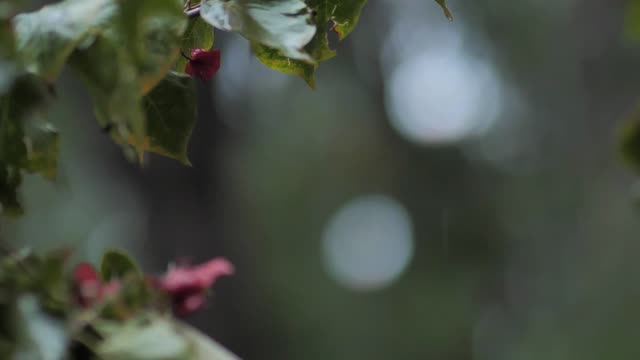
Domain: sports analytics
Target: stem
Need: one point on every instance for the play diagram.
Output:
(193, 11)
(185, 55)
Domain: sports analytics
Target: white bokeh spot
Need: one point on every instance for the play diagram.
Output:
(368, 243)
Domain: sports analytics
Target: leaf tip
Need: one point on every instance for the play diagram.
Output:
(447, 13)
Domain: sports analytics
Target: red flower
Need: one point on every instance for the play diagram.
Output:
(203, 64)
(187, 285)
(88, 286)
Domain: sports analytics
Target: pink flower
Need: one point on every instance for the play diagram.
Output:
(203, 64)
(187, 286)
(88, 286)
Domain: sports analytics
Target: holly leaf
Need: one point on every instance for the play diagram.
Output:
(285, 25)
(116, 264)
(199, 35)
(27, 141)
(171, 112)
(47, 37)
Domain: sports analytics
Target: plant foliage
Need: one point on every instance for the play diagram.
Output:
(140, 61)
(128, 53)
(53, 311)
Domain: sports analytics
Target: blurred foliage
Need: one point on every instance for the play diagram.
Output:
(124, 51)
(526, 237)
(27, 141)
(43, 319)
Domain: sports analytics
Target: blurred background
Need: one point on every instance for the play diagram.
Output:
(450, 191)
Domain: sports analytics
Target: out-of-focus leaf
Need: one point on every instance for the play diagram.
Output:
(199, 35)
(171, 114)
(116, 264)
(27, 141)
(203, 347)
(9, 8)
(52, 283)
(8, 64)
(152, 31)
(285, 25)
(42, 276)
(146, 338)
(46, 38)
(118, 76)
(40, 336)
(108, 73)
(10, 180)
(630, 142)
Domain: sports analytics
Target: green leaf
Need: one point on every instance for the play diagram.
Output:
(630, 141)
(152, 31)
(285, 25)
(40, 275)
(343, 14)
(46, 38)
(27, 141)
(108, 71)
(199, 35)
(9, 67)
(171, 112)
(9, 8)
(10, 181)
(116, 264)
(274, 59)
(152, 337)
(52, 284)
(203, 347)
(119, 76)
(339, 15)
(145, 338)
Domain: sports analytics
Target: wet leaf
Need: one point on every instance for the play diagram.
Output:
(47, 37)
(285, 25)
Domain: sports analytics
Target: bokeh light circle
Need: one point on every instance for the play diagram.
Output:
(368, 243)
(437, 99)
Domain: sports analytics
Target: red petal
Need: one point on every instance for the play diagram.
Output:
(85, 272)
(203, 64)
(197, 278)
(87, 284)
(190, 304)
(109, 289)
